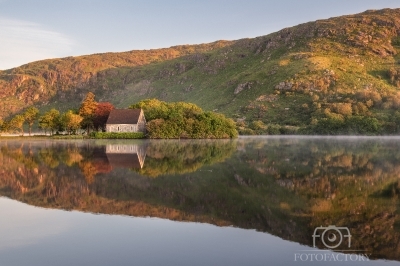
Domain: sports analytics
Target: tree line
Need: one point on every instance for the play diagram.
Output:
(164, 120)
(91, 115)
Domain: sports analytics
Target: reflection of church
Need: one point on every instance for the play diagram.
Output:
(126, 155)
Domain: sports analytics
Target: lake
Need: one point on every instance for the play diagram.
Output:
(249, 201)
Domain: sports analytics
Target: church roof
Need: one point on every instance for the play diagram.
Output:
(124, 116)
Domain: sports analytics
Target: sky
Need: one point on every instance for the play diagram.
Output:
(33, 30)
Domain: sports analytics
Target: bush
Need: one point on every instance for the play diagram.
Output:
(247, 131)
(273, 130)
(357, 125)
(257, 125)
(117, 135)
(58, 136)
(184, 120)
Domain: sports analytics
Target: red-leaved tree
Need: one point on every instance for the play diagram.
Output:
(101, 114)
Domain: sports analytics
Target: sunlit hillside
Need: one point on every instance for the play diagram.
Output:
(335, 76)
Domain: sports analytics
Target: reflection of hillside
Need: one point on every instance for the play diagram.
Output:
(346, 183)
(283, 186)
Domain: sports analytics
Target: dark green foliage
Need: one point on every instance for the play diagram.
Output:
(116, 135)
(184, 120)
(273, 130)
(50, 120)
(353, 125)
(68, 137)
(31, 115)
(396, 41)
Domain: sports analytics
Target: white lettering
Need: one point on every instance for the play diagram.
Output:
(330, 257)
(306, 257)
(316, 257)
(356, 257)
(337, 257)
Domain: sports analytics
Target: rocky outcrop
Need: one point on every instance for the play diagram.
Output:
(243, 86)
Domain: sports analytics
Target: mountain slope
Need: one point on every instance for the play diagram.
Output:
(329, 73)
(68, 79)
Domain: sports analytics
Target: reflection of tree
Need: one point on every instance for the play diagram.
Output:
(49, 157)
(18, 154)
(178, 157)
(74, 156)
(88, 170)
(25, 176)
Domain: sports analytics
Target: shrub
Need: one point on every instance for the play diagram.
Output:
(360, 108)
(273, 130)
(343, 108)
(257, 125)
(370, 96)
(247, 131)
(117, 135)
(357, 125)
(67, 137)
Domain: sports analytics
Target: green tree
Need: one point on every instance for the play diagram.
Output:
(5, 126)
(50, 120)
(31, 115)
(17, 123)
(71, 122)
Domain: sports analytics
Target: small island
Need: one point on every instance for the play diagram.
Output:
(150, 118)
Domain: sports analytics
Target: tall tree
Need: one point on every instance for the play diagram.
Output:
(87, 110)
(101, 115)
(17, 123)
(31, 115)
(50, 120)
(71, 122)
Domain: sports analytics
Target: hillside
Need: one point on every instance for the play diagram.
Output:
(339, 75)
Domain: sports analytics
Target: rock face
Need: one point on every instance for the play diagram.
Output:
(284, 86)
(243, 86)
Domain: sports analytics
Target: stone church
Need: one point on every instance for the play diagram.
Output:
(126, 120)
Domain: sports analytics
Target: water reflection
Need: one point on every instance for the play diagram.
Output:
(126, 155)
(284, 186)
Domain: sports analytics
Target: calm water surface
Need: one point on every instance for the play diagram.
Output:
(251, 201)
